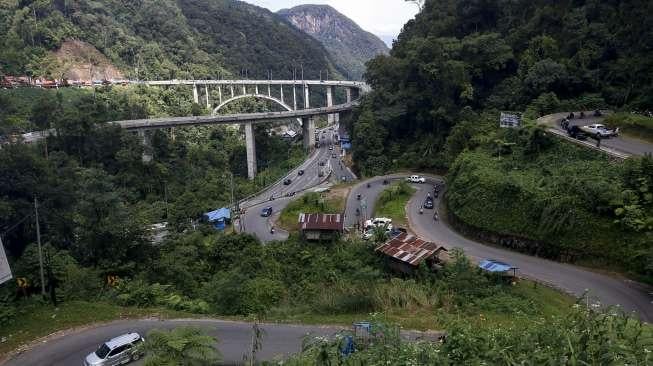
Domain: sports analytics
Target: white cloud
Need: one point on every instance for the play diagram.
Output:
(384, 18)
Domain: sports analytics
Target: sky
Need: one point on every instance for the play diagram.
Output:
(381, 17)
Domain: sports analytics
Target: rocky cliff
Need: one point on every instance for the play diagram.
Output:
(349, 45)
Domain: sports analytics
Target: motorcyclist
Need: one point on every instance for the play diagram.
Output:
(435, 216)
(358, 197)
(421, 209)
(272, 230)
(358, 211)
(368, 185)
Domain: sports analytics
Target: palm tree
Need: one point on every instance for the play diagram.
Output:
(184, 346)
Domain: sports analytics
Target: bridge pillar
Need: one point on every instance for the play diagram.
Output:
(307, 97)
(206, 91)
(294, 96)
(269, 90)
(196, 98)
(348, 90)
(220, 94)
(308, 132)
(281, 92)
(251, 151)
(244, 89)
(147, 146)
(231, 87)
(255, 89)
(331, 118)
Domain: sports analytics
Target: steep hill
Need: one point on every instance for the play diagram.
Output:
(350, 46)
(158, 39)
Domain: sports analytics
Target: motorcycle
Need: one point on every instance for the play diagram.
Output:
(435, 216)
(368, 185)
(272, 230)
(421, 210)
(358, 197)
(358, 212)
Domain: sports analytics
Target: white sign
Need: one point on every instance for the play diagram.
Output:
(5, 271)
(508, 120)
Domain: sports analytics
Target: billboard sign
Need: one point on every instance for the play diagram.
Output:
(509, 120)
(5, 271)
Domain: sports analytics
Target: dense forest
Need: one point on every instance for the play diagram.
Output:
(435, 106)
(161, 39)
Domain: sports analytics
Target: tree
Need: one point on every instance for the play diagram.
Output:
(183, 346)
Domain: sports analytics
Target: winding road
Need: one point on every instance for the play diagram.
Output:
(608, 290)
(252, 222)
(234, 339)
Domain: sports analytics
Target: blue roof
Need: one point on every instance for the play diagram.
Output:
(220, 214)
(491, 265)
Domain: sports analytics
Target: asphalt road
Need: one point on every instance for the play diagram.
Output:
(252, 222)
(622, 143)
(234, 340)
(631, 296)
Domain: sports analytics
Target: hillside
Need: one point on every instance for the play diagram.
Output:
(435, 106)
(350, 46)
(157, 39)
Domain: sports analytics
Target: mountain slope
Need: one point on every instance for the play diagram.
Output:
(160, 39)
(349, 45)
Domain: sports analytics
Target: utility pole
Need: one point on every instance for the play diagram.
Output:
(38, 241)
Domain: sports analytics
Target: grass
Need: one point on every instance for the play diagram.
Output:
(36, 319)
(392, 203)
(548, 302)
(310, 203)
(640, 127)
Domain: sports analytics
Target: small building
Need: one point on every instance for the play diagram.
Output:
(318, 226)
(405, 252)
(219, 218)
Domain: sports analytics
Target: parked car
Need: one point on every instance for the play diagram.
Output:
(266, 212)
(416, 179)
(577, 133)
(599, 131)
(116, 351)
(287, 182)
(300, 172)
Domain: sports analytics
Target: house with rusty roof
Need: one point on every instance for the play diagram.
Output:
(319, 226)
(405, 252)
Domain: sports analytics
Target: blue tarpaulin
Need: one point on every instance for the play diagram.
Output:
(219, 218)
(491, 265)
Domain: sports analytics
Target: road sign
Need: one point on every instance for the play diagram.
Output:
(5, 271)
(508, 120)
(22, 282)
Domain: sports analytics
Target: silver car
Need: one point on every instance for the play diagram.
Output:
(116, 351)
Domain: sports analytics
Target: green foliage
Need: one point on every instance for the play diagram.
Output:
(632, 124)
(585, 336)
(188, 39)
(564, 202)
(138, 293)
(183, 346)
(392, 203)
(462, 55)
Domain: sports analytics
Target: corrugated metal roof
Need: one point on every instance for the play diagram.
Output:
(318, 221)
(409, 249)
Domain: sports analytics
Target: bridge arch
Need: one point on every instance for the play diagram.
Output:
(257, 96)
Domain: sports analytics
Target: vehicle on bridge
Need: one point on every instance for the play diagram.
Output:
(416, 179)
(287, 182)
(116, 351)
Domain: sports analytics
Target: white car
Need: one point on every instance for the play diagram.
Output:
(599, 130)
(416, 179)
(116, 351)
